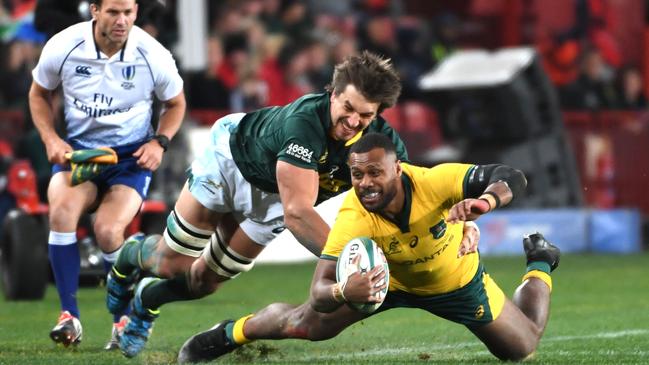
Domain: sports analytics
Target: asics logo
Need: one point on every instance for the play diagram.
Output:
(82, 70)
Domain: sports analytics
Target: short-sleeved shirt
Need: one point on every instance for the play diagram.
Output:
(420, 246)
(298, 133)
(107, 100)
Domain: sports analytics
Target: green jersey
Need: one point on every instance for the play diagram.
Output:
(298, 133)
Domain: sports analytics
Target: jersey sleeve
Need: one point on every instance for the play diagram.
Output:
(303, 143)
(168, 82)
(380, 125)
(47, 71)
(449, 180)
(348, 225)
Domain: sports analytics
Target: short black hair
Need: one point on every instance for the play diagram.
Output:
(371, 141)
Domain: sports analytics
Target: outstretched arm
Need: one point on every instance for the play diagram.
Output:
(298, 189)
(503, 183)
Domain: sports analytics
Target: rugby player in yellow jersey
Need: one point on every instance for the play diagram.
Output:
(416, 215)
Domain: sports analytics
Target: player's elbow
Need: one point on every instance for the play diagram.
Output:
(294, 215)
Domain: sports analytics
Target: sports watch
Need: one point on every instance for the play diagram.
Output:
(162, 140)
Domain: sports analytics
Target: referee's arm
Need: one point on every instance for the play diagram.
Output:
(40, 106)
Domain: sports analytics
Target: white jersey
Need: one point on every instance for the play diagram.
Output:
(108, 101)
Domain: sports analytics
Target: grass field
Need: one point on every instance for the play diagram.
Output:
(600, 315)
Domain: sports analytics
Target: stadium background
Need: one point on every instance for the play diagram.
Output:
(571, 111)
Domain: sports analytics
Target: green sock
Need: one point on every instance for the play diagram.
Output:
(127, 261)
(166, 291)
(538, 265)
(133, 252)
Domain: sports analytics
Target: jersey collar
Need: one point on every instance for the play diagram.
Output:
(126, 54)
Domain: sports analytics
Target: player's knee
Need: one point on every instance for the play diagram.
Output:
(108, 235)
(202, 280)
(63, 214)
(517, 352)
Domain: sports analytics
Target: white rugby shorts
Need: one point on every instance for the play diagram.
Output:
(218, 185)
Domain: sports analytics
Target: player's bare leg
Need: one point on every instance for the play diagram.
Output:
(516, 333)
(276, 321)
(220, 262)
(118, 207)
(66, 203)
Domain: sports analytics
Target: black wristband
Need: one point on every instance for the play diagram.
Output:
(495, 196)
(163, 141)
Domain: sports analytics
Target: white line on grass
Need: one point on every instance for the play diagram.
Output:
(434, 348)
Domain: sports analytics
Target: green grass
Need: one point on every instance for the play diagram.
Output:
(600, 315)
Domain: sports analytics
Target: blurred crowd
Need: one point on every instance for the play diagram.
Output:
(268, 52)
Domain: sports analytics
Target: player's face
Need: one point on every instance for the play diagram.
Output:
(350, 113)
(375, 176)
(115, 19)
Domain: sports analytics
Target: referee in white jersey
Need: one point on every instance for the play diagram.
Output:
(109, 71)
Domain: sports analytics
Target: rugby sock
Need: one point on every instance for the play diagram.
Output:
(109, 260)
(127, 259)
(539, 270)
(66, 265)
(234, 331)
(132, 253)
(167, 291)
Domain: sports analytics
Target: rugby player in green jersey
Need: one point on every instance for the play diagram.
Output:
(263, 171)
(396, 204)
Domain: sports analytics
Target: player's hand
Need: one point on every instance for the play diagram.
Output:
(56, 150)
(149, 155)
(362, 288)
(468, 210)
(470, 239)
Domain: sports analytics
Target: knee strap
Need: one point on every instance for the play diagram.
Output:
(183, 237)
(224, 261)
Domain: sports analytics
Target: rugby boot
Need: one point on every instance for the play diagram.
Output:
(68, 330)
(538, 249)
(119, 287)
(140, 323)
(116, 333)
(207, 345)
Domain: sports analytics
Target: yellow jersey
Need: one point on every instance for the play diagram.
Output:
(421, 248)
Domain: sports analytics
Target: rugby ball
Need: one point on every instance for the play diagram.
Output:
(371, 256)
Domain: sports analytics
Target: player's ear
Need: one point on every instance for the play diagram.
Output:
(94, 10)
(398, 168)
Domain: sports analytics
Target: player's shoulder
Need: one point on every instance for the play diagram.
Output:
(70, 37)
(146, 43)
(444, 173)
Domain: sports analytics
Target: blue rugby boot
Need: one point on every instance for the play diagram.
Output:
(538, 249)
(140, 323)
(207, 345)
(119, 287)
(119, 291)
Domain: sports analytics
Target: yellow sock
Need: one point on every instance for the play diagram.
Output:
(539, 275)
(237, 332)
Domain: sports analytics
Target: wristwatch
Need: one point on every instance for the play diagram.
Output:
(162, 140)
